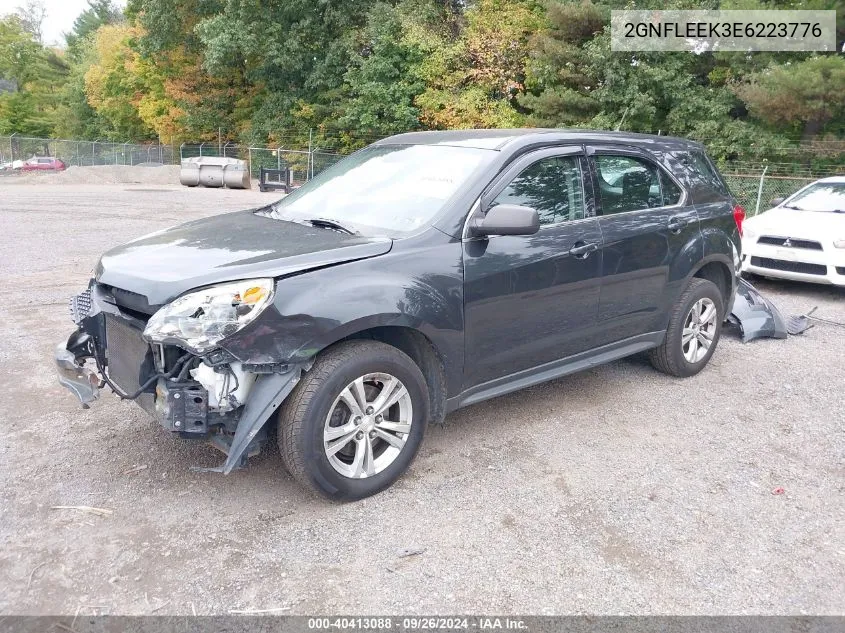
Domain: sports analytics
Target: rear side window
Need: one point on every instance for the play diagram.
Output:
(627, 183)
(671, 192)
(552, 186)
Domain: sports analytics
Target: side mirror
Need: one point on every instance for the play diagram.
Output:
(777, 201)
(507, 219)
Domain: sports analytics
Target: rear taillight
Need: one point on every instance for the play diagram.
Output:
(739, 216)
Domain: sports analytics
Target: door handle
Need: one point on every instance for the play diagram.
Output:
(582, 250)
(677, 223)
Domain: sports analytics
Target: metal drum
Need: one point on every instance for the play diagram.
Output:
(214, 171)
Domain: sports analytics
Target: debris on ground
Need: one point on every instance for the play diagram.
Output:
(257, 611)
(102, 512)
(134, 469)
(405, 553)
(754, 315)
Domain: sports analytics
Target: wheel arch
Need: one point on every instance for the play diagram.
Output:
(420, 349)
(717, 269)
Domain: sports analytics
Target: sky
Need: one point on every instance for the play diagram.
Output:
(60, 16)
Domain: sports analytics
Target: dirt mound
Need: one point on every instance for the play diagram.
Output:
(100, 174)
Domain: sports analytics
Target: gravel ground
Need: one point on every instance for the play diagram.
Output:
(617, 490)
(96, 175)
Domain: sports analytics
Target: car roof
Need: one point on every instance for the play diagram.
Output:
(502, 139)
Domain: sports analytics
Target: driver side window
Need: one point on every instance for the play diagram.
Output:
(552, 186)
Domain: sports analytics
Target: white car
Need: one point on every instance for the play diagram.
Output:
(15, 164)
(801, 238)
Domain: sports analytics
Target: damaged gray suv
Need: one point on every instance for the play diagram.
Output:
(424, 273)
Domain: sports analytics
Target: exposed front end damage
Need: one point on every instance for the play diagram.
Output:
(212, 396)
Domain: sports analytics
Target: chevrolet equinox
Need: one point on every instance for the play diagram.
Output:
(424, 273)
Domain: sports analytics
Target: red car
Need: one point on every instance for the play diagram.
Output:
(39, 163)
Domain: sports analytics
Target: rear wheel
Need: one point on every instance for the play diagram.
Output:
(695, 325)
(355, 421)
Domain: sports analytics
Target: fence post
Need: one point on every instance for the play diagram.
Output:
(309, 169)
(12, 147)
(760, 189)
(278, 158)
(249, 160)
(201, 144)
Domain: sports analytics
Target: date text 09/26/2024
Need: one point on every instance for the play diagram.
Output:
(418, 623)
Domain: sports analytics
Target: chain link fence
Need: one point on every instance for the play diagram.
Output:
(755, 186)
(84, 153)
(304, 164)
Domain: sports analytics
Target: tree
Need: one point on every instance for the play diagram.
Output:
(560, 77)
(32, 16)
(295, 54)
(37, 75)
(183, 100)
(112, 86)
(19, 52)
(804, 97)
(98, 13)
(474, 76)
(382, 81)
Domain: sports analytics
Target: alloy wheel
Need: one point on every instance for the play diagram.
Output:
(699, 330)
(367, 425)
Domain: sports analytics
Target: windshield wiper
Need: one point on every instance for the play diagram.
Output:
(328, 223)
(789, 206)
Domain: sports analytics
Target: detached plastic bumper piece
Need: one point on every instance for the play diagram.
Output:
(83, 382)
(755, 315)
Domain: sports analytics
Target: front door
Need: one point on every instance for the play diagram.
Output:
(533, 299)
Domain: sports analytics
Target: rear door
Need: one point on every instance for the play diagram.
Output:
(646, 224)
(532, 299)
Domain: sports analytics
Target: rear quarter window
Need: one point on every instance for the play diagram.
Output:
(704, 170)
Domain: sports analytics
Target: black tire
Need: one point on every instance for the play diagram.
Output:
(669, 357)
(303, 415)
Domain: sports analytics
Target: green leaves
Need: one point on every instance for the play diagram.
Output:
(344, 73)
(37, 75)
(805, 97)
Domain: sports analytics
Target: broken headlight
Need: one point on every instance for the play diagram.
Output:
(201, 319)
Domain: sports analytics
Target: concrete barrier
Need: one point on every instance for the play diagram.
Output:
(214, 171)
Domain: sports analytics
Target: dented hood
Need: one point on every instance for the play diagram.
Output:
(241, 245)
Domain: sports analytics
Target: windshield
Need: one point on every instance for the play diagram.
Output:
(827, 196)
(384, 189)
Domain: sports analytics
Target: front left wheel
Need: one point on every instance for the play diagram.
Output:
(355, 421)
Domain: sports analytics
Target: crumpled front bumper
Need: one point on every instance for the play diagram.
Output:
(181, 405)
(82, 381)
(755, 315)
